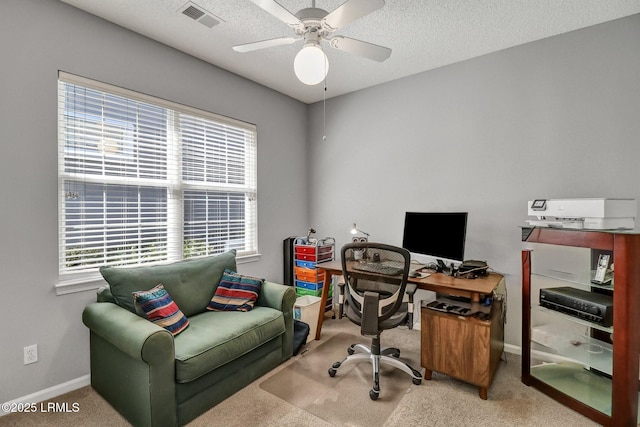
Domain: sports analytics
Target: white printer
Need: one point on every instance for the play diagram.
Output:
(594, 214)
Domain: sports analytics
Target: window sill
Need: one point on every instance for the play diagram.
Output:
(248, 258)
(89, 282)
(94, 281)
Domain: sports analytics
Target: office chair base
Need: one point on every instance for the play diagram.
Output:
(365, 356)
(361, 348)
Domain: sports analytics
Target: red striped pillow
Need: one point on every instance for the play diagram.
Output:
(235, 292)
(157, 306)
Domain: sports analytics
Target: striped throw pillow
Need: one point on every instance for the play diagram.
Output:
(235, 292)
(157, 306)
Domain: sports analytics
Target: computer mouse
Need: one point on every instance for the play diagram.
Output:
(414, 274)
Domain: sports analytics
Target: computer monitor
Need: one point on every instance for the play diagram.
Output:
(440, 235)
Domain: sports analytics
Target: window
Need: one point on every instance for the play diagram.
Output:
(143, 180)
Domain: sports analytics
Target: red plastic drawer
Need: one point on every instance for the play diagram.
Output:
(306, 257)
(325, 256)
(325, 249)
(312, 250)
(306, 250)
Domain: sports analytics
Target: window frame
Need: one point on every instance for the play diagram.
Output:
(176, 185)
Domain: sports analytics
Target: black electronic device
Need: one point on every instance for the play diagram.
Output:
(440, 235)
(471, 269)
(590, 306)
(450, 308)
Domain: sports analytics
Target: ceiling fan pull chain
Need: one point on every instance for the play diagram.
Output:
(324, 111)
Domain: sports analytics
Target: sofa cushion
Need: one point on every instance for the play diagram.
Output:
(191, 283)
(215, 338)
(157, 306)
(235, 292)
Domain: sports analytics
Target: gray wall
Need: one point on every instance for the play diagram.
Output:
(556, 118)
(40, 37)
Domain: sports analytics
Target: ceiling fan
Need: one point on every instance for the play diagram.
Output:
(314, 25)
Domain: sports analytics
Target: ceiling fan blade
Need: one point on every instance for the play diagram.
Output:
(360, 48)
(250, 47)
(279, 12)
(349, 11)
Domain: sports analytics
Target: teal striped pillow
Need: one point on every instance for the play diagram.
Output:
(235, 292)
(157, 306)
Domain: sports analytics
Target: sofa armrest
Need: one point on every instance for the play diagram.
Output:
(275, 295)
(132, 364)
(282, 298)
(130, 333)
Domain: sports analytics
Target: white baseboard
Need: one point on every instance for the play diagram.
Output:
(513, 349)
(51, 392)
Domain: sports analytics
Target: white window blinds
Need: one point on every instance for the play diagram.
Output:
(144, 180)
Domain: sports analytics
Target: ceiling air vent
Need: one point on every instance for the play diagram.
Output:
(197, 13)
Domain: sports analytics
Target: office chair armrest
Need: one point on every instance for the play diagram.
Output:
(411, 289)
(341, 286)
(369, 326)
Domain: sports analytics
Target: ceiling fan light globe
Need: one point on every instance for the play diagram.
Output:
(311, 65)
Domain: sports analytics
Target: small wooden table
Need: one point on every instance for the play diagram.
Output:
(473, 347)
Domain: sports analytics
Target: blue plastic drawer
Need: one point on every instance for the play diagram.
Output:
(306, 264)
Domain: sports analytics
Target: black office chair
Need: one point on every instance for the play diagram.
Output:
(376, 279)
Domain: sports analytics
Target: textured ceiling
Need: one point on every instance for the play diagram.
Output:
(423, 34)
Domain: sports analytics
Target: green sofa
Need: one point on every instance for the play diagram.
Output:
(155, 379)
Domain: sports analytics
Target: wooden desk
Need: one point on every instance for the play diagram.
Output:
(472, 348)
(436, 282)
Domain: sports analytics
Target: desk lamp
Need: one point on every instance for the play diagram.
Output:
(311, 231)
(354, 231)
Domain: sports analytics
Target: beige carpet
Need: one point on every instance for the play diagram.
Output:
(343, 399)
(441, 402)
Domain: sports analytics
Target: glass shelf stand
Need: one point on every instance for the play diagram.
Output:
(582, 364)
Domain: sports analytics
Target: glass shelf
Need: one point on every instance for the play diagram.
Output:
(550, 343)
(564, 279)
(608, 329)
(573, 380)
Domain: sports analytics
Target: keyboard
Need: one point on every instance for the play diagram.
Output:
(378, 267)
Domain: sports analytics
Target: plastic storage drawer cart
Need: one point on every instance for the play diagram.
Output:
(308, 253)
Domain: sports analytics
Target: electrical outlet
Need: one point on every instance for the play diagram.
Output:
(31, 354)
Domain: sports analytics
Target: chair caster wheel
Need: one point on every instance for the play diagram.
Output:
(416, 381)
(350, 351)
(373, 394)
(335, 366)
(396, 354)
(332, 372)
